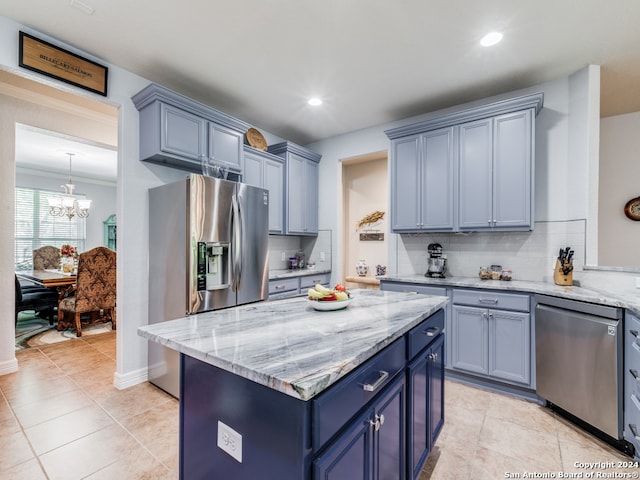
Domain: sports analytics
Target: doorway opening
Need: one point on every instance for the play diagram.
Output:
(46, 118)
(364, 192)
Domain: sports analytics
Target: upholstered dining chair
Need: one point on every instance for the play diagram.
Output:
(46, 257)
(93, 294)
(40, 299)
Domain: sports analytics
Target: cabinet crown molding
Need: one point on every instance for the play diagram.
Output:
(291, 147)
(514, 104)
(154, 92)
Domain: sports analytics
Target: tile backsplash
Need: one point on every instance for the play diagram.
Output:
(531, 255)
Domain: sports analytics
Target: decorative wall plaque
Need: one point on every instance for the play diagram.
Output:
(43, 57)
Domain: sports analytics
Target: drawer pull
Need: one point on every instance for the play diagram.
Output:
(635, 334)
(634, 374)
(432, 331)
(492, 301)
(280, 287)
(372, 388)
(634, 431)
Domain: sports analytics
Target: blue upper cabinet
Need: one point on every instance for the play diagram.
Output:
(301, 188)
(465, 171)
(264, 170)
(422, 178)
(179, 132)
(496, 173)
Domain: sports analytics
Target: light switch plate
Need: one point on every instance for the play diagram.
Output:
(230, 441)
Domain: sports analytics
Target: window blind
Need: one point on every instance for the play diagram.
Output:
(34, 227)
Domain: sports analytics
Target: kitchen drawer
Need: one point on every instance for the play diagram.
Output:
(311, 280)
(422, 335)
(413, 287)
(632, 421)
(335, 407)
(283, 285)
(632, 356)
(490, 299)
(633, 336)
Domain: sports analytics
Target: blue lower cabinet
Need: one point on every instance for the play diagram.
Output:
(425, 404)
(373, 446)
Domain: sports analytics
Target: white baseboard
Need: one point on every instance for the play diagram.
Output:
(9, 366)
(122, 381)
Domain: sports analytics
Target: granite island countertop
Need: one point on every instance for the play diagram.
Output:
(623, 299)
(290, 347)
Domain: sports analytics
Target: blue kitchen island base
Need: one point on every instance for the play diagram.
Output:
(378, 422)
(275, 428)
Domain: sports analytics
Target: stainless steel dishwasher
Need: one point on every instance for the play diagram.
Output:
(579, 361)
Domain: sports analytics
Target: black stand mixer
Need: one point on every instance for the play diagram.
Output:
(436, 263)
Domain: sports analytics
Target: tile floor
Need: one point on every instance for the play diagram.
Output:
(61, 418)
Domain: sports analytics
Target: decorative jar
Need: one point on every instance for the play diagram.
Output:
(67, 264)
(362, 268)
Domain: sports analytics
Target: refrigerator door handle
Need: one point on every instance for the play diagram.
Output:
(237, 244)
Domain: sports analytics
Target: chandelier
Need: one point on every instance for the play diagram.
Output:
(69, 206)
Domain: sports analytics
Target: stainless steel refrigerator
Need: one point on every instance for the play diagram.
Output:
(208, 249)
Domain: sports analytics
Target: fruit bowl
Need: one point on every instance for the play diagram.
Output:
(329, 305)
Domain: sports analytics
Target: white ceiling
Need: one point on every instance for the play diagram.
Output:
(44, 151)
(373, 61)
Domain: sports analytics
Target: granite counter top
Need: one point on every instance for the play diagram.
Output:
(601, 296)
(290, 347)
(300, 272)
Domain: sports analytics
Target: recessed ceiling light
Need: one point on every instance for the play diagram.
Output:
(491, 39)
(315, 101)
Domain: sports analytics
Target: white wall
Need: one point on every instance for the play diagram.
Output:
(554, 190)
(619, 182)
(134, 179)
(102, 196)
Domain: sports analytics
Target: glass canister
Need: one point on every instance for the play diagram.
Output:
(484, 273)
(496, 272)
(506, 274)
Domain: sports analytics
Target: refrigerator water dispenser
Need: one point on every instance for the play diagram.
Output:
(212, 265)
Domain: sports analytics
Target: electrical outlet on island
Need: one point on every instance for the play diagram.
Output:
(230, 441)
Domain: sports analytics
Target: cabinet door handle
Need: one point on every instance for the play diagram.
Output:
(367, 387)
(492, 301)
(377, 422)
(432, 331)
(432, 356)
(634, 374)
(635, 334)
(634, 431)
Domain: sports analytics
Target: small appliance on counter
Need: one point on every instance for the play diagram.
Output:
(437, 262)
(563, 272)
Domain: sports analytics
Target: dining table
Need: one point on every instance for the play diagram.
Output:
(49, 278)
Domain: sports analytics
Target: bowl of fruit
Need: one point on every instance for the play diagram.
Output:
(327, 299)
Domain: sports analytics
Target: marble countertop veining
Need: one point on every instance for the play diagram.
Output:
(290, 347)
(300, 272)
(601, 296)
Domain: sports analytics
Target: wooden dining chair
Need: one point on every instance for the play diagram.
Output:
(93, 294)
(46, 257)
